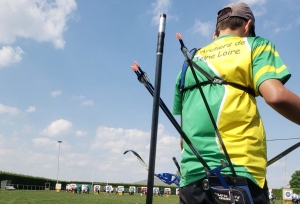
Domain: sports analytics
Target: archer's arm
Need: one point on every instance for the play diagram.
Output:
(281, 99)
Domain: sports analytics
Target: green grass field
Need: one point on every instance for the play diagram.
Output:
(52, 197)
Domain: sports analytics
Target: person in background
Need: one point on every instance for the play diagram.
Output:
(273, 200)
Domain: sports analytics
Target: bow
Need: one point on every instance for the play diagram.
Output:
(167, 178)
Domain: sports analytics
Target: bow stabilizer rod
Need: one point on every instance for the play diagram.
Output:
(282, 154)
(155, 110)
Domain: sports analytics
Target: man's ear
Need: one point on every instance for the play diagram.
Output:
(214, 36)
(248, 26)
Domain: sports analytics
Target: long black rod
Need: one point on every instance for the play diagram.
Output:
(177, 127)
(155, 112)
(282, 154)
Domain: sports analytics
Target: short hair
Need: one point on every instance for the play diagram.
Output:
(232, 22)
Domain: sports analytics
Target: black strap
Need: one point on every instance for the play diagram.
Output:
(195, 86)
(238, 86)
(217, 80)
(202, 71)
(243, 88)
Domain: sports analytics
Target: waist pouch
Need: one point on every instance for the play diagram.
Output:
(236, 191)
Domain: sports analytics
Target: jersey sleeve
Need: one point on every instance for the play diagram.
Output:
(177, 103)
(267, 64)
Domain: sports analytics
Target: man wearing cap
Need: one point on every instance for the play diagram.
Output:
(236, 55)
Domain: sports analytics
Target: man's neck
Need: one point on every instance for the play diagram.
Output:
(237, 32)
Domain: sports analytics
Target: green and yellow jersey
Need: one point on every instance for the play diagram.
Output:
(244, 61)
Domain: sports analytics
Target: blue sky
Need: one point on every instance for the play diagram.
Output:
(65, 75)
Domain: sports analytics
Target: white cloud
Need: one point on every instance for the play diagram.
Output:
(113, 138)
(76, 159)
(160, 7)
(168, 141)
(15, 136)
(10, 55)
(130, 133)
(106, 161)
(87, 103)
(45, 160)
(41, 20)
(204, 28)
(81, 133)
(43, 142)
(30, 109)
(277, 30)
(9, 153)
(117, 140)
(115, 146)
(58, 127)
(252, 2)
(49, 143)
(27, 129)
(267, 23)
(9, 110)
(78, 97)
(54, 94)
(272, 25)
(2, 140)
(106, 132)
(259, 11)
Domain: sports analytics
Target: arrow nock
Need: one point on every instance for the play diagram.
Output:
(136, 64)
(178, 35)
(134, 68)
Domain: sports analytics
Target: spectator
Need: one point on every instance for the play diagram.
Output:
(161, 192)
(295, 198)
(273, 198)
